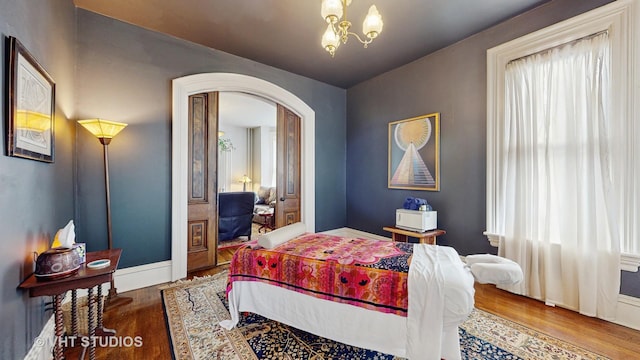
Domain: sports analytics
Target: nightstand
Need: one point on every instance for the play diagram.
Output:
(401, 235)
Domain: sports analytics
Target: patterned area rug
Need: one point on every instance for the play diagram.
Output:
(194, 308)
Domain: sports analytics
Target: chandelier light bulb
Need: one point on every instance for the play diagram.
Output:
(331, 10)
(372, 25)
(330, 40)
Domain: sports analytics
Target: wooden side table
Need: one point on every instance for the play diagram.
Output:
(85, 278)
(401, 235)
(267, 217)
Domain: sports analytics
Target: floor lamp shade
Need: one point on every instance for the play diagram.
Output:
(105, 130)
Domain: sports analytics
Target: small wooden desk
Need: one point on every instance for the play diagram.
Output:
(85, 278)
(401, 235)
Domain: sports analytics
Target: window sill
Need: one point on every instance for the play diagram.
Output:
(493, 239)
(628, 262)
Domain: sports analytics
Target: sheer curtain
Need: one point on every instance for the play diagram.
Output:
(558, 179)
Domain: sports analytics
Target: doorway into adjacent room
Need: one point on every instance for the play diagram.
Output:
(237, 149)
(247, 138)
(186, 86)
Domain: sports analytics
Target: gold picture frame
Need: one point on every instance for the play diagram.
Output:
(31, 106)
(414, 153)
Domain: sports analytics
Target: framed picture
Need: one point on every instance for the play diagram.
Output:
(414, 153)
(31, 106)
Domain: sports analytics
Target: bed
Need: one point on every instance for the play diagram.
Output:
(401, 299)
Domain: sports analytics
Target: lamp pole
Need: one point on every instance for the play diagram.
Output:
(113, 299)
(105, 142)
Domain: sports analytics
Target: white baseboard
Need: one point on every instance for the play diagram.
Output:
(138, 277)
(42, 348)
(628, 313)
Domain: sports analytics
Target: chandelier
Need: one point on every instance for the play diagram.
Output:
(332, 11)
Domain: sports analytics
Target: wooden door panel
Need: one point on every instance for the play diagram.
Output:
(198, 146)
(198, 235)
(198, 242)
(288, 168)
(202, 167)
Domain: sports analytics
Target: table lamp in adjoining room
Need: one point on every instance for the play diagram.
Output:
(245, 180)
(105, 130)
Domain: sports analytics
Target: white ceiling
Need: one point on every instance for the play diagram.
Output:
(286, 33)
(245, 110)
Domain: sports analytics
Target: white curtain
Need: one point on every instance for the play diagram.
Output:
(224, 171)
(559, 177)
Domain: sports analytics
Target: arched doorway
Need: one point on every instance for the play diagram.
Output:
(193, 84)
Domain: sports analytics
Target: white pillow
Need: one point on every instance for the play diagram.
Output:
(281, 235)
(492, 269)
(496, 273)
(486, 258)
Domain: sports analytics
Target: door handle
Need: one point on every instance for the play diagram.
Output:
(282, 198)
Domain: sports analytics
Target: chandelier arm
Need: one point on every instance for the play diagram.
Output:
(363, 42)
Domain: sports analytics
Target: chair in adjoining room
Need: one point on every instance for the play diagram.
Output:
(235, 211)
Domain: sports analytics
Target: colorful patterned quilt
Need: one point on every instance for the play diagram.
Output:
(368, 273)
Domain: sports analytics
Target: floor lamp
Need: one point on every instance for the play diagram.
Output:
(105, 130)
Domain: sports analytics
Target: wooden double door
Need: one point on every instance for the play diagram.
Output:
(202, 228)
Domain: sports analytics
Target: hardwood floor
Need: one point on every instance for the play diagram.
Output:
(224, 256)
(602, 337)
(144, 318)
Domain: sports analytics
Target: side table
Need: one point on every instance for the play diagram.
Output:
(401, 235)
(85, 278)
(267, 217)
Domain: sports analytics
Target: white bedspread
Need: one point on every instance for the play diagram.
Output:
(425, 312)
(440, 298)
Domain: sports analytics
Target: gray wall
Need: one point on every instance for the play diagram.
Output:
(630, 283)
(124, 74)
(451, 81)
(36, 198)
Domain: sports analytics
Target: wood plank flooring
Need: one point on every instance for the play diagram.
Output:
(144, 317)
(602, 337)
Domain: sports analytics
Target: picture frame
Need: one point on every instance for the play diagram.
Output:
(30, 128)
(414, 153)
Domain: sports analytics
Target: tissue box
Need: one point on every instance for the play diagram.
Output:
(60, 262)
(80, 249)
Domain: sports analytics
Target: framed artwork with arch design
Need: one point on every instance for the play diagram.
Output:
(31, 106)
(414, 153)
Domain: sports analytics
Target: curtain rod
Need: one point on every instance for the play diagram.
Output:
(560, 45)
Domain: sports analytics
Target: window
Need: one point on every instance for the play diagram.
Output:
(562, 163)
(618, 20)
